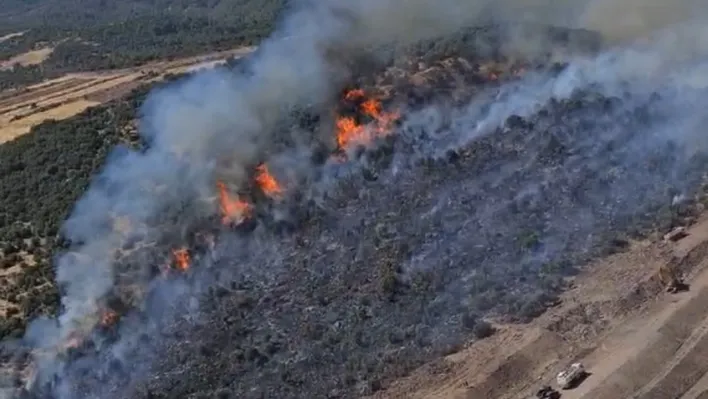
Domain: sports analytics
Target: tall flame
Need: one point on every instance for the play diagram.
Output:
(232, 210)
(267, 182)
(350, 132)
(182, 259)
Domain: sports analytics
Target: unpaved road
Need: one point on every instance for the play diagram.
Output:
(635, 340)
(69, 95)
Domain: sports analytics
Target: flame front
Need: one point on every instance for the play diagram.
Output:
(350, 132)
(181, 258)
(267, 182)
(232, 210)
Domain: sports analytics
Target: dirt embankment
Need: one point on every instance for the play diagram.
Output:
(635, 340)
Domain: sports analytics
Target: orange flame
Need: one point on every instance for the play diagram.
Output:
(267, 182)
(350, 132)
(232, 210)
(384, 120)
(181, 258)
(109, 318)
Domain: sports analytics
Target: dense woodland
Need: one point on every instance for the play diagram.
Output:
(95, 34)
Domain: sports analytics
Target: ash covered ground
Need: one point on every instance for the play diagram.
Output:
(490, 189)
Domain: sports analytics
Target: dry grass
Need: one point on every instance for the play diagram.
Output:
(33, 57)
(10, 130)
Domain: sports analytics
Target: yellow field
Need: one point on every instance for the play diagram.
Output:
(33, 57)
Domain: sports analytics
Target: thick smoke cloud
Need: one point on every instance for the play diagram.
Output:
(218, 124)
(632, 19)
(618, 21)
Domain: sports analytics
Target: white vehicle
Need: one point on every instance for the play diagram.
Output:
(567, 377)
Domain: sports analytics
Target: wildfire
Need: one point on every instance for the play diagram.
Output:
(181, 258)
(232, 210)
(384, 120)
(267, 182)
(350, 132)
(109, 318)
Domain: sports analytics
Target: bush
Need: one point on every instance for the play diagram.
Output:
(482, 329)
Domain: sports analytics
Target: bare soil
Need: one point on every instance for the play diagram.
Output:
(32, 57)
(636, 340)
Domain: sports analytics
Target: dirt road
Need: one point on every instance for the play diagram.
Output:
(636, 340)
(69, 95)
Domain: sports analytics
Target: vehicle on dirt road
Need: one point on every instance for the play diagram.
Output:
(567, 378)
